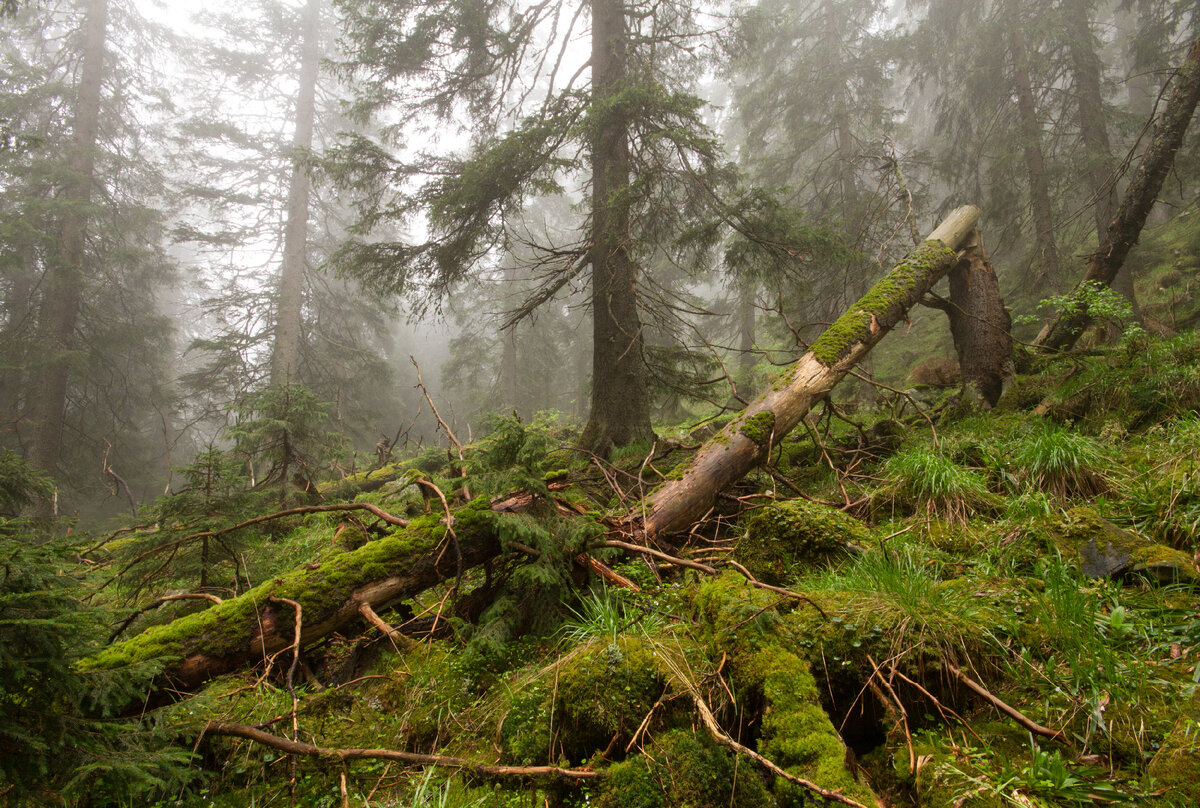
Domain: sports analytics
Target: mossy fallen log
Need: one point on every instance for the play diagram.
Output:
(749, 438)
(257, 624)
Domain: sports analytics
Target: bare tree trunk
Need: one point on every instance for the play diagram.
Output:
(1126, 227)
(285, 356)
(63, 294)
(508, 371)
(980, 324)
(748, 439)
(1093, 129)
(14, 341)
(1035, 161)
(746, 322)
(620, 399)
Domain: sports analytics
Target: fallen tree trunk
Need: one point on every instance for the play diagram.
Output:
(253, 627)
(1126, 227)
(749, 438)
(256, 625)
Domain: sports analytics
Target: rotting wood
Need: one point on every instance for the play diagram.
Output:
(747, 440)
(1126, 227)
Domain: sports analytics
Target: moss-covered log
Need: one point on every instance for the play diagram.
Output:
(241, 631)
(1139, 199)
(747, 440)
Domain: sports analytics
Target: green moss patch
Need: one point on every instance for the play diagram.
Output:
(1103, 549)
(886, 302)
(785, 537)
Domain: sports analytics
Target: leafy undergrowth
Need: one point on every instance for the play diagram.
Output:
(1044, 559)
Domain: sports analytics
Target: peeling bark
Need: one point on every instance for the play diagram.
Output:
(980, 324)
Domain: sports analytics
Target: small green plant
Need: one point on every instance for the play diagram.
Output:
(926, 483)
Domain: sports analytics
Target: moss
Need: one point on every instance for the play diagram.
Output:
(884, 301)
(1102, 548)
(1176, 766)
(784, 537)
(226, 629)
(683, 769)
(796, 732)
(759, 427)
(606, 690)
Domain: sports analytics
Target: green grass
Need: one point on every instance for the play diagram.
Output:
(1060, 462)
(926, 483)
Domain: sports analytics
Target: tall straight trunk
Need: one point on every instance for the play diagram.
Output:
(847, 204)
(285, 356)
(1093, 126)
(1035, 160)
(747, 359)
(1093, 129)
(508, 371)
(14, 341)
(620, 400)
(64, 281)
(1122, 233)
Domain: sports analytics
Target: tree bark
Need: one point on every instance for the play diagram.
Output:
(65, 274)
(748, 439)
(1123, 232)
(1035, 160)
(285, 356)
(1093, 130)
(980, 324)
(620, 400)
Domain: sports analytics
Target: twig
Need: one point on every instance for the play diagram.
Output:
(291, 676)
(719, 735)
(340, 755)
(711, 570)
(1011, 712)
(462, 469)
(912, 755)
(344, 506)
(398, 640)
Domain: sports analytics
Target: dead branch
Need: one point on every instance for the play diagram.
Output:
(205, 534)
(165, 599)
(462, 459)
(719, 735)
(552, 773)
(1011, 712)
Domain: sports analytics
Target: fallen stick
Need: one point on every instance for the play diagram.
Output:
(340, 755)
(1011, 712)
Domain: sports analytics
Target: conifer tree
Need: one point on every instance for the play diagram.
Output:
(633, 138)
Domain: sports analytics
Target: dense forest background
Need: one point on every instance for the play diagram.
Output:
(507, 266)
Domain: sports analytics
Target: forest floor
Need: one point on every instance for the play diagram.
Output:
(957, 608)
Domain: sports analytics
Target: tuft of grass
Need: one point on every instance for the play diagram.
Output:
(926, 483)
(605, 615)
(1061, 462)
